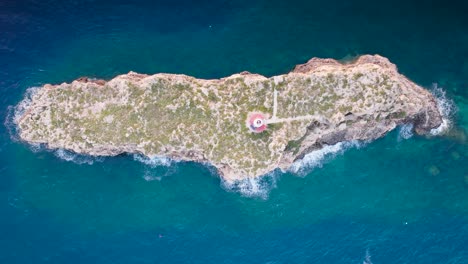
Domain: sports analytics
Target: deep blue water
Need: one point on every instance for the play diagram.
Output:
(400, 200)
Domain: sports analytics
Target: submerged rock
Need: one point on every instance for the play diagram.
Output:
(434, 170)
(321, 102)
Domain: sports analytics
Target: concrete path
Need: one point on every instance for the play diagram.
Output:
(274, 119)
(297, 118)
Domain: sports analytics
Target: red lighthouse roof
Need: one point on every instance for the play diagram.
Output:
(257, 122)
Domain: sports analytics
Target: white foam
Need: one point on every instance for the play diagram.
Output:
(10, 124)
(260, 187)
(15, 113)
(367, 258)
(24, 104)
(156, 168)
(35, 147)
(148, 177)
(406, 132)
(256, 187)
(154, 161)
(76, 158)
(447, 109)
(318, 157)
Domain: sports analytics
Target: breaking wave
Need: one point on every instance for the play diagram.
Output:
(405, 132)
(447, 109)
(154, 161)
(10, 123)
(157, 174)
(367, 258)
(76, 158)
(148, 176)
(14, 113)
(156, 167)
(260, 187)
(318, 157)
(254, 187)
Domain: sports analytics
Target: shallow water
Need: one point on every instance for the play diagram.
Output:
(402, 198)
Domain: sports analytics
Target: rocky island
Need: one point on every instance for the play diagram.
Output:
(245, 125)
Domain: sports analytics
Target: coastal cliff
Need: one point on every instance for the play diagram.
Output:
(319, 103)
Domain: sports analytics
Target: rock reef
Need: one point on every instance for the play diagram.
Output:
(321, 102)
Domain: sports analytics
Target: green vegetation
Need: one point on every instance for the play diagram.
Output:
(212, 96)
(358, 75)
(294, 145)
(397, 115)
(172, 114)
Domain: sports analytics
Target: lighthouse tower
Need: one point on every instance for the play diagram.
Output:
(257, 122)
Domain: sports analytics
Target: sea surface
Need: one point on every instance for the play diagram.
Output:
(400, 199)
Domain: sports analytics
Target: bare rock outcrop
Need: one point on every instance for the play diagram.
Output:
(319, 103)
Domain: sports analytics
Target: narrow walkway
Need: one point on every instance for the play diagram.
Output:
(274, 119)
(297, 118)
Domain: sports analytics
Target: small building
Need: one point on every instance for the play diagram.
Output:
(257, 122)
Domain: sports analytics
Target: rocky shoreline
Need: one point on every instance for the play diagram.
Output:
(319, 103)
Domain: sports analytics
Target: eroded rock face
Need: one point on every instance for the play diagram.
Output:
(205, 120)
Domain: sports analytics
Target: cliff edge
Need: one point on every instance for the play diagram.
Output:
(246, 125)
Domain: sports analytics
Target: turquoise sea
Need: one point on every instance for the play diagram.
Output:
(400, 199)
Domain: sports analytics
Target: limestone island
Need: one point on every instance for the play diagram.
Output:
(245, 125)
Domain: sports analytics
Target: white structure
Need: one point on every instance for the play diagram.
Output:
(258, 122)
(275, 119)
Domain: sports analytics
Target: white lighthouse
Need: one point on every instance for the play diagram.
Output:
(258, 122)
